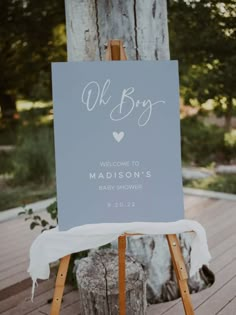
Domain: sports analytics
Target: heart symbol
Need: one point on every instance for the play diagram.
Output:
(118, 136)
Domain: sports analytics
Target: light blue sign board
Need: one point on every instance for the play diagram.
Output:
(117, 141)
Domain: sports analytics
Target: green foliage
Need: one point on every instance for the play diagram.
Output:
(230, 139)
(52, 210)
(28, 169)
(203, 144)
(34, 156)
(32, 35)
(36, 220)
(220, 183)
(5, 162)
(203, 39)
(8, 133)
(14, 196)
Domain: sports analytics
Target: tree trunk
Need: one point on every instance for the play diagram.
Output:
(229, 114)
(142, 25)
(7, 106)
(97, 278)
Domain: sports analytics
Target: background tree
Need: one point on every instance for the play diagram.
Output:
(32, 34)
(203, 38)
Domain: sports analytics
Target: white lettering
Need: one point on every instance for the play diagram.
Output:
(94, 95)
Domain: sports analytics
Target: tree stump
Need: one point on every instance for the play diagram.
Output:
(97, 278)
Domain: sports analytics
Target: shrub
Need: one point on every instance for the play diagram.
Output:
(222, 183)
(8, 133)
(230, 142)
(203, 144)
(34, 156)
(6, 162)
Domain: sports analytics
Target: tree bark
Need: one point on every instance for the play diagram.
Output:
(229, 114)
(7, 106)
(142, 25)
(81, 29)
(152, 30)
(97, 278)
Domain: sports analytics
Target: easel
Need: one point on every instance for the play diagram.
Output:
(115, 51)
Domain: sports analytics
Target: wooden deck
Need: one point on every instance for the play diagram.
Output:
(217, 216)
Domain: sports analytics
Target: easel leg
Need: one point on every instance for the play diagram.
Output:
(60, 284)
(181, 273)
(122, 290)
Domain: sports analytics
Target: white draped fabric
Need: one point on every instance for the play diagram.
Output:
(54, 244)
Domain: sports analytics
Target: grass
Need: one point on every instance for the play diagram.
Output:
(204, 144)
(11, 197)
(33, 160)
(8, 134)
(222, 183)
(5, 162)
(27, 173)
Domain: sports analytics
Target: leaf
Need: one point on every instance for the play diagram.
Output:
(33, 225)
(30, 211)
(52, 207)
(44, 223)
(54, 216)
(21, 213)
(37, 217)
(52, 210)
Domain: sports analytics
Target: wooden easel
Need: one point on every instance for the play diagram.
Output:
(115, 51)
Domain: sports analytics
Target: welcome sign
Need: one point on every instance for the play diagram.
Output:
(117, 141)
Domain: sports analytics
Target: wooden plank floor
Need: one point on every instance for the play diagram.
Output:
(16, 238)
(217, 216)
